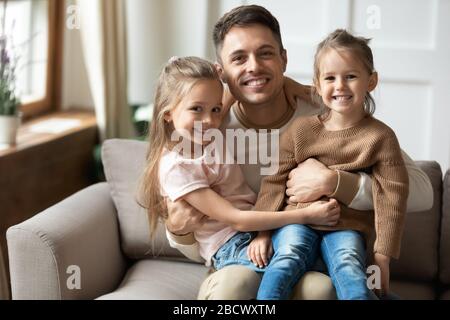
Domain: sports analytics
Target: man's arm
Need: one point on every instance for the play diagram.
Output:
(186, 244)
(420, 196)
(312, 180)
(182, 220)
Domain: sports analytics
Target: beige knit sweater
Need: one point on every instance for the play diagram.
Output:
(369, 146)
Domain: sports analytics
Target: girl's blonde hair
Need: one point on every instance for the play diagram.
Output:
(175, 80)
(340, 39)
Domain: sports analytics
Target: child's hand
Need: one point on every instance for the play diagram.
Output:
(294, 90)
(260, 250)
(324, 213)
(383, 262)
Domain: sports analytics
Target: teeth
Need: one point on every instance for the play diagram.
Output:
(257, 82)
(342, 98)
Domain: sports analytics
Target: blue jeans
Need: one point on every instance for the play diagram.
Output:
(295, 251)
(345, 257)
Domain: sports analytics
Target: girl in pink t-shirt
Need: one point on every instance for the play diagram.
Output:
(187, 105)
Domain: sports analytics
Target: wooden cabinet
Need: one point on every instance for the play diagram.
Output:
(52, 160)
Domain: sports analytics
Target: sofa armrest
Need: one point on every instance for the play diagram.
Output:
(444, 255)
(69, 251)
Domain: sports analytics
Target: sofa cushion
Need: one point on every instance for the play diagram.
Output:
(124, 162)
(152, 279)
(419, 255)
(412, 290)
(445, 232)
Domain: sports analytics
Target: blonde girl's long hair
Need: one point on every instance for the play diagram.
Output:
(176, 79)
(340, 39)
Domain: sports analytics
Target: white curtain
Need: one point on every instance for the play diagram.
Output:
(103, 35)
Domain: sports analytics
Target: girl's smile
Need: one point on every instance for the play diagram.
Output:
(343, 84)
(198, 110)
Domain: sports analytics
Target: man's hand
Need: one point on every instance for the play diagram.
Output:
(260, 250)
(383, 262)
(310, 181)
(294, 90)
(227, 99)
(183, 218)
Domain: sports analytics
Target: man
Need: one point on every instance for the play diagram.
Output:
(252, 60)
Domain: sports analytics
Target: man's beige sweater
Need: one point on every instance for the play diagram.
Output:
(370, 145)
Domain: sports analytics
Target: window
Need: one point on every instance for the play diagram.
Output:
(35, 27)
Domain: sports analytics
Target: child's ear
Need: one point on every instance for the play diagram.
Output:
(373, 81)
(220, 71)
(167, 116)
(317, 87)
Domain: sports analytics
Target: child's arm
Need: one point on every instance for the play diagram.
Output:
(390, 193)
(271, 195)
(213, 205)
(383, 261)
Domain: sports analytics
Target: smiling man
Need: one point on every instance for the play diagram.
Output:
(252, 60)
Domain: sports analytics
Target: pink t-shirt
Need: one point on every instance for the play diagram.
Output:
(179, 176)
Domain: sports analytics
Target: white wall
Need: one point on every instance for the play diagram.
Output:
(411, 47)
(411, 50)
(158, 30)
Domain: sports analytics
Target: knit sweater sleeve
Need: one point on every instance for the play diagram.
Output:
(390, 192)
(272, 192)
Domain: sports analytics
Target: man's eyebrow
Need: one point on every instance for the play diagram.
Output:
(266, 46)
(236, 52)
(240, 51)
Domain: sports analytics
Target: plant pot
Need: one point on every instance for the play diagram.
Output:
(8, 129)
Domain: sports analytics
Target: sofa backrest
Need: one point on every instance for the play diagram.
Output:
(444, 254)
(420, 244)
(124, 162)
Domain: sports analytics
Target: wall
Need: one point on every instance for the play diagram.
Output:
(410, 46)
(158, 30)
(411, 50)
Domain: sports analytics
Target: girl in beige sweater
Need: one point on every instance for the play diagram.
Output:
(346, 137)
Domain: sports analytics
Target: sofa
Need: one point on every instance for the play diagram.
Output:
(96, 243)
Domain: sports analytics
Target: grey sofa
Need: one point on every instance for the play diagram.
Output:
(96, 245)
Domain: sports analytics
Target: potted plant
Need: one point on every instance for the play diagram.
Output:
(9, 102)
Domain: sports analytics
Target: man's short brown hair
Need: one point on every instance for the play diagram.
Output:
(245, 16)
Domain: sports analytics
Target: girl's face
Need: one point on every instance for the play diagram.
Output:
(201, 106)
(344, 82)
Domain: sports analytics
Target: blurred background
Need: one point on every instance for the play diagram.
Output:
(410, 43)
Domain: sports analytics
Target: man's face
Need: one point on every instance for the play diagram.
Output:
(252, 64)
